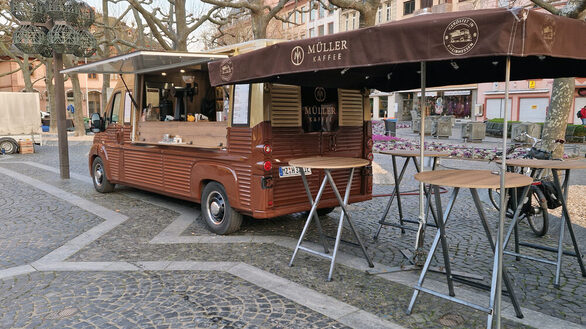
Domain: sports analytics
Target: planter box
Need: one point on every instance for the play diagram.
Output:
(474, 131)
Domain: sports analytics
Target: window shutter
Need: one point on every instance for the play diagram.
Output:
(285, 106)
(351, 112)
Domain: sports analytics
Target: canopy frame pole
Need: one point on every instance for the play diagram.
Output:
(419, 255)
(500, 235)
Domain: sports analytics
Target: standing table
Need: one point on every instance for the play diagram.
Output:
(328, 164)
(562, 190)
(409, 155)
(472, 179)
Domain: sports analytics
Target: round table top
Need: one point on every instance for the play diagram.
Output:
(415, 153)
(329, 162)
(547, 164)
(472, 179)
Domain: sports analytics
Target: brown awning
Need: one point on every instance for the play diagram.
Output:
(459, 47)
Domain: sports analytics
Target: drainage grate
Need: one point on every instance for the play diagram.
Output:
(64, 313)
(451, 320)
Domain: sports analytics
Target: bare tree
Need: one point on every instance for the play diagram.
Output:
(367, 8)
(78, 121)
(562, 92)
(172, 28)
(260, 13)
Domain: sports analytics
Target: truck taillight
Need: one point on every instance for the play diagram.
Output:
(267, 149)
(370, 157)
(267, 165)
(369, 143)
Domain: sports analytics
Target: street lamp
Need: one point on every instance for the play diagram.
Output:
(53, 28)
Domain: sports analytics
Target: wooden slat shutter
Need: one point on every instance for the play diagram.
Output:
(351, 110)
(285, 106)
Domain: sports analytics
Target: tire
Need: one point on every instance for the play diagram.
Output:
(216, 211)
(9, 145)
(537, 215)
(495, 198)
(99, 177)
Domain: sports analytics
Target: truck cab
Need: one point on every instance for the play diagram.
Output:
(167, 130)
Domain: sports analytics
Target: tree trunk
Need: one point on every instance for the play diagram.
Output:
(557, 116)
(106, 54)
(182, 28)
(25, 67)
(259, 26)
(368, 17)
(77, 104)
(51, 94)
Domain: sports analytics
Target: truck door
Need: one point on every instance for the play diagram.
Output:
(114, 137)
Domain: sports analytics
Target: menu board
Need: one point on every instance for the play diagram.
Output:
(241, 111)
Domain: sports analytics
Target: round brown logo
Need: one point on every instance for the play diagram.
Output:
(297, 55)
(461, 36)
(226, 70)
(320, 94)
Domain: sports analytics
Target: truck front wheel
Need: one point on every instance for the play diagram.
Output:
(9, 145)
(215, 207)
(101, 182)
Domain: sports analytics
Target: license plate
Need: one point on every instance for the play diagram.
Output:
(290, 171)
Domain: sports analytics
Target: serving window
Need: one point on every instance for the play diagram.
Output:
(180, 107)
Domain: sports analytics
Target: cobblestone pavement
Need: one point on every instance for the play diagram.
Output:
(148, 300)
(149, 214)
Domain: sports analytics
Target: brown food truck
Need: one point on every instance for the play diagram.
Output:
(167, 130)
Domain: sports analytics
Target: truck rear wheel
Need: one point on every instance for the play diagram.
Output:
(215, 207)
(9, 145)
(101, 182)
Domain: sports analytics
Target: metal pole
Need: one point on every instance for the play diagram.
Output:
(503, 210)
(61, 121)
(421, 229)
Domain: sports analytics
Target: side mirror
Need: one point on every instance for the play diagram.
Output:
(96, 121)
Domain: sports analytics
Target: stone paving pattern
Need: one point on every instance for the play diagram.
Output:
(33, 223)
(148, 300)
(386, 299)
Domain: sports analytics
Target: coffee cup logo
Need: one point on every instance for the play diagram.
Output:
(461, 36)
(297, 55)
(226, 70)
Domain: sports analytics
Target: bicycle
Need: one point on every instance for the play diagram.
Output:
(535, 206)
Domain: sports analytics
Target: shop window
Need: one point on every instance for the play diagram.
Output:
(408, 7)
(319, 109)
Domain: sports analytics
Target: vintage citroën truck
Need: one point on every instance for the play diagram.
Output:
(167, 130)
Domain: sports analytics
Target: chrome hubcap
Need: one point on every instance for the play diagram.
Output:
(216, 207)
(99, 175)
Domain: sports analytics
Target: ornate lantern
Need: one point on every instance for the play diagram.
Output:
(29, 10)
(29, 39)
(62, 38)
(86, 44)
(79, 14)
(56, 9)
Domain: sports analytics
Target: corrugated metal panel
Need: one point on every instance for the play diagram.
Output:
(143, 169)
(177, 174)
(113, 150)
(285, 106)
(350, 107)
(291, 143)
(240, 142)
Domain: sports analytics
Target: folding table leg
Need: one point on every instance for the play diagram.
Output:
(313, 209)
(345, 214)
(444, 242)
(432, 251)
(516, 219)
(568, 222)
(508, 283)
(397, 193)
(315, 215)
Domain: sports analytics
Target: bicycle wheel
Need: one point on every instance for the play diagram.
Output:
(536, 212)
(495, 198)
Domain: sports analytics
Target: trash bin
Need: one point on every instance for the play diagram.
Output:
(391, 127)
